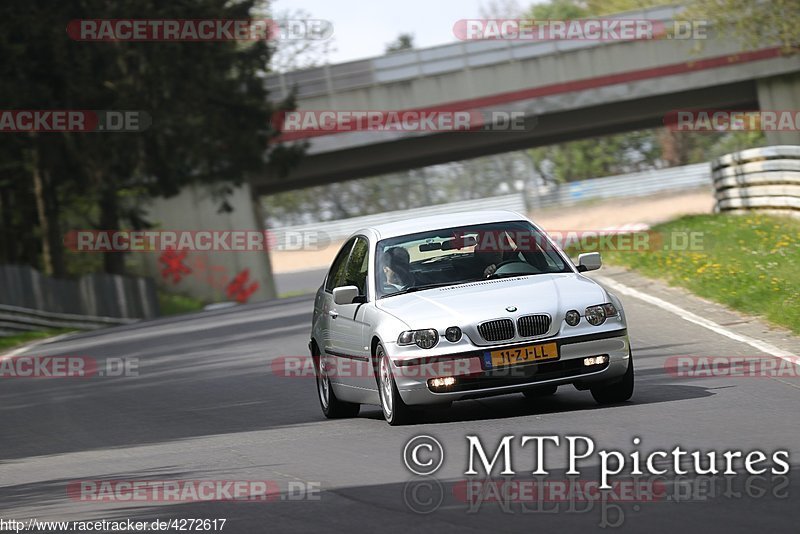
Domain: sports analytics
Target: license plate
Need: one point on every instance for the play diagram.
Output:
(521, 355)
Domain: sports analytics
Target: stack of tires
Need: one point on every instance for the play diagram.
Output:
(764, 179)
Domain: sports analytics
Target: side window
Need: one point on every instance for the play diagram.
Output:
(357, 266)
(336, 276)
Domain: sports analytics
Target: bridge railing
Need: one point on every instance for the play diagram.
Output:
(409, 64)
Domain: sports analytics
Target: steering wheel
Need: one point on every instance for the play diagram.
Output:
(499, 267)
(506, 262)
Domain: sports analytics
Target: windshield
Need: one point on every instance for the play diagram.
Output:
(462, 254)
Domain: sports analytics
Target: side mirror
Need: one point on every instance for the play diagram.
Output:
(345, 294)
(589, 261)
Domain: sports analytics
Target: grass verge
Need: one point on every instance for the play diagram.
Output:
(9, 342)
(750, 263)
(170, 304)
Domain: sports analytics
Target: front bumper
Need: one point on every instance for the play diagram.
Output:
(567, 369)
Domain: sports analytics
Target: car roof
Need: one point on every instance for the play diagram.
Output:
(444, 220)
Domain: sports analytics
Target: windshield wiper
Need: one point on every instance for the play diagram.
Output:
(507, 275)
(423, 287)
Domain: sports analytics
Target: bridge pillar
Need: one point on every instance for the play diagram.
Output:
(209, 275)
(780, 93)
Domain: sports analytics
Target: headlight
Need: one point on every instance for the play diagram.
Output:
(596, 315)
(572, 317)
(424, 339)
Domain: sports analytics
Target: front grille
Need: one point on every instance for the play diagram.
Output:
(498, 330)
(533, 325)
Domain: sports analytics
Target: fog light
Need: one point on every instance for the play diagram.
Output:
(443, 382)
(572, 317)
(452, 334)
(595, 360)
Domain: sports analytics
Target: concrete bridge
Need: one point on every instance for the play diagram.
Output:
(567, 90)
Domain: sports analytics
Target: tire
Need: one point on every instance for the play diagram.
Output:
(536, 393)
(617, 392)
(332, 407)
(395, 411)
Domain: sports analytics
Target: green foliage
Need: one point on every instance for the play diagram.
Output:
(752, 23)
(607, 7)
(404, 41)
(603, 156)
(575, 9)
(558, 10)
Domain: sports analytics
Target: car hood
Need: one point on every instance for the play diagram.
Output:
(468, 304)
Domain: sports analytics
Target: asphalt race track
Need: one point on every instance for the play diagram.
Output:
(206, 406)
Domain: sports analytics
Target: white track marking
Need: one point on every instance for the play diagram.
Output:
(700, 321)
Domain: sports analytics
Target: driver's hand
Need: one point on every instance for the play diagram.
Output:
(489, 271)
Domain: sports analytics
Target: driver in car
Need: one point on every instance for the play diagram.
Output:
(491, 256)
(397, 268)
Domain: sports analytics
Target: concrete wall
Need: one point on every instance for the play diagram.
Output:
(780, 93)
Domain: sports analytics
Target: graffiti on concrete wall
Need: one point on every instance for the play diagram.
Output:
(176, 265)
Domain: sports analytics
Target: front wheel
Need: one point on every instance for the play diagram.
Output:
(332, 407)
(618, 391)
(395, 411)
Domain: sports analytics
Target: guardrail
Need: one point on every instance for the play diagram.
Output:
(626, 185)
(14, 319)
(763, 179)
(32, 301)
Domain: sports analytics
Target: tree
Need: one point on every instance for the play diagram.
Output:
(210, 112)
(558, 10)
(295, 54)
(404, 41)
(751, 23)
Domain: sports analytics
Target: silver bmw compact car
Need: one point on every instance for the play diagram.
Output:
(437, 309)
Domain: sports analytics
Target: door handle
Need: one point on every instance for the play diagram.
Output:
(333, 313)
